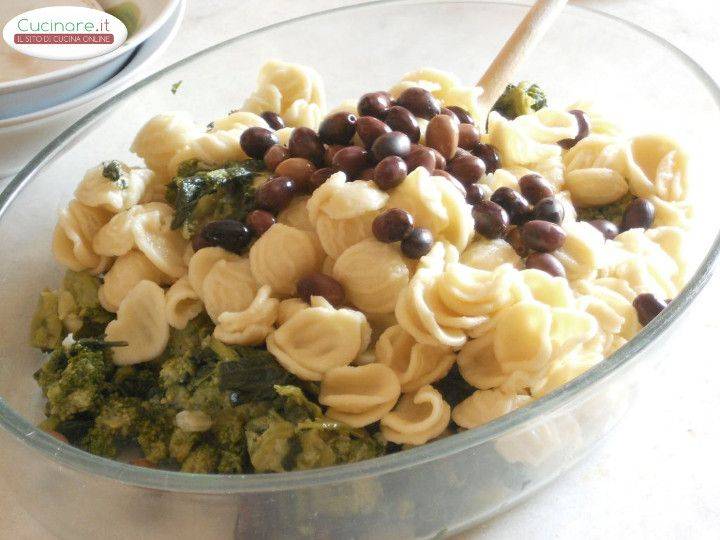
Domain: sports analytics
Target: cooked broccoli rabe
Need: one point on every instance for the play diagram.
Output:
(611, 212)
(74, 307)
(200, 195)
(75, 381)
(520, 99)
(262, 420)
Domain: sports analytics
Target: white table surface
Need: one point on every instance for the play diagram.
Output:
(657, 476)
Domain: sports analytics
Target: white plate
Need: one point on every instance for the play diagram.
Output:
(24, 136)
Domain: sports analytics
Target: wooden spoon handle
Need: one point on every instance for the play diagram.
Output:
(523, 40)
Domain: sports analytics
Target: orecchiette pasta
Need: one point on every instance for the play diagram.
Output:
(161, 244)
(73, 237)
(293, 91)
(643, 264)
(444, 86)
(359, 396)
(162, 137)
(517, 352)
(282, 256)
(252, 325)
(418, 417)
(516, 143)
(489, 254)
(484, 406)
(436, 205)
(582, 252)
(203, 261)
(141, 324)
(288, 308)
(110, 193)
(419, 310)
(342, 212)
(182, 303)
(148, 228)
(657, 166)
(415, 364)
(211, 148)
(126, 272)
(373, 274)
(319, 338)
(595, 186)
(228, 286)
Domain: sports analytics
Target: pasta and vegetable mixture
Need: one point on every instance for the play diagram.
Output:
(290, 288)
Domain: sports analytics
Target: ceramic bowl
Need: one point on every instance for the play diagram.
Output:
(22, 137)
(31, 94)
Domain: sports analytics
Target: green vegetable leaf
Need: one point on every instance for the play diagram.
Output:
(175, 87)
(113, 171)
(254, 376)
(200, 196)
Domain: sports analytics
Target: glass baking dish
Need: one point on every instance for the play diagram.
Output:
(426, 492)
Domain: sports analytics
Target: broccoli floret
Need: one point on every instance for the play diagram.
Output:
(181, 444)
(229, 428)
(269, 442)
(231, 462)
(73, 382)
(46, 328)
(116, 421)
(154, 430)
(74, 307)
(520, 99)
(191, 337)
(204, 459)
(200, 196)
(295, 435)
(101, 442)
(611, 212)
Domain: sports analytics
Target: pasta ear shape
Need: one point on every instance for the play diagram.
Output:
(252, 325)
(595, 186)
(342, 212)
(373, 274)
(489, 254)
(182, 303)
(319, 338)
(359, 396)
(484, 406)
(283, 255)
(290, 307)
(127, 271)
(228, 287)
(120, 190)
(161, 244)
(657, 166)
(582, 252)
(415, 364)
(293, 91)
(116, 238)
(202, 261)
(141, 323)
(162, 137)
(417, 418)
(436, 205)
(444, 86)
(73, 238)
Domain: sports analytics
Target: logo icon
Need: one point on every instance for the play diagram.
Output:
(64, 33)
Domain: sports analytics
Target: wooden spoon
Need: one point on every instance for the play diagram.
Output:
(516, 49)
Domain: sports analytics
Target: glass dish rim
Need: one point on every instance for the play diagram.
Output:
(174, 481)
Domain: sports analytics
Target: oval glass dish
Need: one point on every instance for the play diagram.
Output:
(426, 492)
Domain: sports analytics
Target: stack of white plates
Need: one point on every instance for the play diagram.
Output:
(34, 110)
